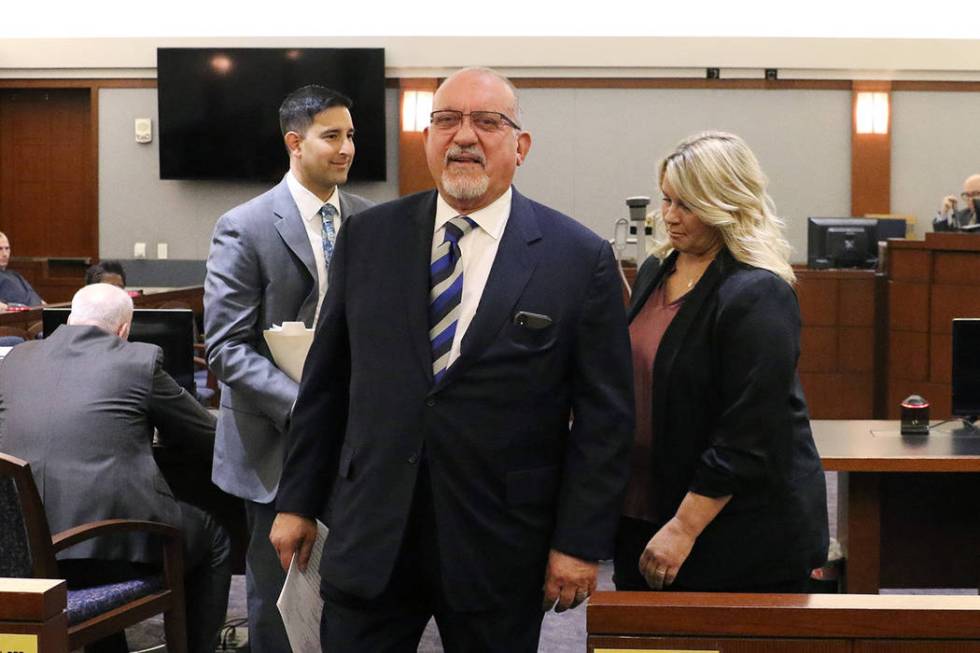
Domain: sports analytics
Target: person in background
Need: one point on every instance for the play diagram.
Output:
(951, 217)
(14, 289)
(267, 265)
(108, 271)
(727, 492)
(91, 452)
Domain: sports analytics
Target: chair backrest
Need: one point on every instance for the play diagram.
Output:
(25, 539)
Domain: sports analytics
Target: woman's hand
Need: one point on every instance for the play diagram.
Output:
(665, 553)
(669, 547)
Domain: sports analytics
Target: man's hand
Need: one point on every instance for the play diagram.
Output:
(949, 204)
(291, 534)
(3, 307)
(665, 553)
(568, 580)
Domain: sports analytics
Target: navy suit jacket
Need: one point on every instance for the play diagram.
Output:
(511, 476)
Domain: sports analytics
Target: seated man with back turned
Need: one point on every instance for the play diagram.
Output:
(953, 218)
(81, 407)
(14, 289)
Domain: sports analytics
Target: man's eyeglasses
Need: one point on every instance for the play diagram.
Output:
(485, 121)
(970, 195)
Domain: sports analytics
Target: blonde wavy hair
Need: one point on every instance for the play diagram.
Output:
(718, 178)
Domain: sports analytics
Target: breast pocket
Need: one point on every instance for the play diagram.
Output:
(532, 340)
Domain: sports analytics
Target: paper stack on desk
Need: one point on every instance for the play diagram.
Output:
(289, 345)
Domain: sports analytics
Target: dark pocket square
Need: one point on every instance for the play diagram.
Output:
(533, 321)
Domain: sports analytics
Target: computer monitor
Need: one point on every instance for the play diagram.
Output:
(891, 228)
(842, 243)
(966, 367)
(171, 329)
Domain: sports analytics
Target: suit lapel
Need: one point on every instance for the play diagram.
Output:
(512, 268)
(291, 229)
(415, 278)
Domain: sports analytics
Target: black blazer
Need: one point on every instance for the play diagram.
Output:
(729, 418)
(510, 478)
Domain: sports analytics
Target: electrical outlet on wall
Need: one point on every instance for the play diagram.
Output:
(161, 250)
(139, 250)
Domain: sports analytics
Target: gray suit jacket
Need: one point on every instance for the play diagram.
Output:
(80, 406)
(260, 272)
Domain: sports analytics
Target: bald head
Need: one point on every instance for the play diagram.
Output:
(104, 306)
(972, 184)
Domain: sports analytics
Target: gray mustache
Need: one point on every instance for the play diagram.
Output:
(456, 151)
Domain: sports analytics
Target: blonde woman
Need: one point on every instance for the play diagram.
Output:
(727, 492)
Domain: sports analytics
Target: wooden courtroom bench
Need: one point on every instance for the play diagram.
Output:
(678, 622)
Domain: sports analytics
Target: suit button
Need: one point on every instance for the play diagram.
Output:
(413, 459)
(430, 402)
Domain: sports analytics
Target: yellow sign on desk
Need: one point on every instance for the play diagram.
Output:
(18, 643)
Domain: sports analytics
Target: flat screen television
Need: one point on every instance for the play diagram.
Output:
(966, 367)
(842, 243)
(170, 328)
(219, 108)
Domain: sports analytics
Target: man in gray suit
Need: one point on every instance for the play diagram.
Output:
(268, 264)
(81, 406)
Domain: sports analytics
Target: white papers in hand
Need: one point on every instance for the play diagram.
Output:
(289, 345)
(299, 602)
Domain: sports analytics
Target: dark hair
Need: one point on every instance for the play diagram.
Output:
(94, 273)
(297, 111)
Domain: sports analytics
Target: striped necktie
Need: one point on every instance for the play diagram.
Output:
(446, 278)
(327, 214)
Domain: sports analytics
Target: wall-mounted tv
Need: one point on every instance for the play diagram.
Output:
(219, 108)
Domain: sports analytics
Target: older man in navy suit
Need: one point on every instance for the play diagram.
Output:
(268, 264)
(465, 415)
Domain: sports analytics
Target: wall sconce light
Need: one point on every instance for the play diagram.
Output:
(416, 107)
(871, 113)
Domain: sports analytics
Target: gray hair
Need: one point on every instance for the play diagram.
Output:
(101, 305)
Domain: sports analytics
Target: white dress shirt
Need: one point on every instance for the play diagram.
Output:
(309, 206)
(477, 251)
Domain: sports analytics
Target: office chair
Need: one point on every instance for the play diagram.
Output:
(27, 550)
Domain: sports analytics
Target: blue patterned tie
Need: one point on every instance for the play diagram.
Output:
(327, 214)
(446, 279)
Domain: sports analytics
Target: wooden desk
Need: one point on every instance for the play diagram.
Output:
(782, 623)
(929, 283)
(908, 506)
(840, 360)
(193, 296)
(32, 615)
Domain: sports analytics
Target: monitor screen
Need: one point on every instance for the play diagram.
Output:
(171, 329)
(966, 367)
(219, 108)
(842, 243)
(891, 228)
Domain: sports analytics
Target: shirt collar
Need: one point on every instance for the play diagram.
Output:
(491, 218)
(308, 203)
